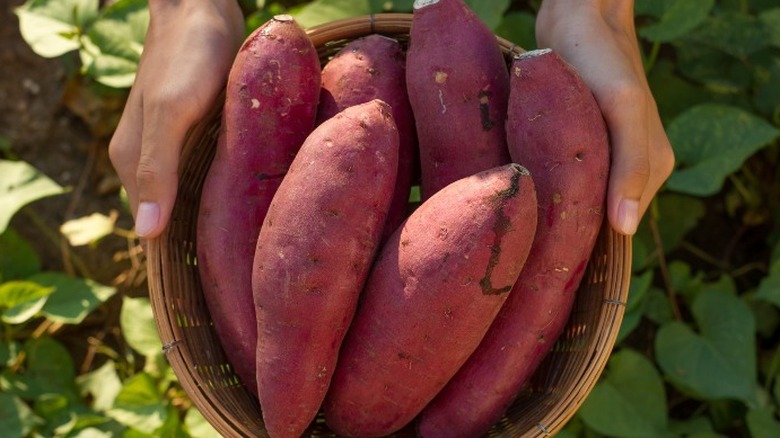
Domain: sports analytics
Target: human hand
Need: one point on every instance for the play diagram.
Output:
(598, 38)
(189, 49)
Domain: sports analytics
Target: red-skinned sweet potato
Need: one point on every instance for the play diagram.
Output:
(458, 86)
(555, 128)
(374, 67)
(431, 295)
(314, 252)
(270, 107)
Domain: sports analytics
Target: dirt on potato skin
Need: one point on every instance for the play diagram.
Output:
(55, 120)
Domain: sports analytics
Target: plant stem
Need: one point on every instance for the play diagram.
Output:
(57, 241)
(650, 62)
(664, 267)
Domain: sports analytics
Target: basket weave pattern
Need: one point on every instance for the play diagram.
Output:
(192, 348)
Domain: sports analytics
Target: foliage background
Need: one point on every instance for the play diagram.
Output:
(698, 352)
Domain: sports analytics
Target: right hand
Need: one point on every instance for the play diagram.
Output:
(189, 49)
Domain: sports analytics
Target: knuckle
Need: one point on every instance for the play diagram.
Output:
(625, 91)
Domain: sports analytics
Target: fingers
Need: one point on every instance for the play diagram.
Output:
(626, 113)
(124, 150)
(164, 130)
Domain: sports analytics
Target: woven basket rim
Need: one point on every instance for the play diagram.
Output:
(166, 253)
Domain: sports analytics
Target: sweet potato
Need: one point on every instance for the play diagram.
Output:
(556, 129)
(458, 86)
(270, 107)
(313, 255)
(374, 67)
(435, 288)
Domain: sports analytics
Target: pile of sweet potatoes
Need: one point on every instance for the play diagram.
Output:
(330, 291)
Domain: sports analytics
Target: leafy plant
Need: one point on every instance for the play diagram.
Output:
(124, 389)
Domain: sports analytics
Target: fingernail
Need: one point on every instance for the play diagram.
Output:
(147, 218)
(628, 216)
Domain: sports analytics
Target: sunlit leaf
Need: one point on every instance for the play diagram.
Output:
(198, 426)
(629, 400)
(21, 300)
(52, 27)
(139, 404)
(21, 184)
(711, 142)
(102, 384)
(88, 229)
(718, 361)
(115, 42)
(73, 298)
(322, 11)
(138, 326)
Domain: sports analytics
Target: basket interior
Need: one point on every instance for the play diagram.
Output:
(191, 346)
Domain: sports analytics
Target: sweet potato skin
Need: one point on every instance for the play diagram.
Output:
(458, 85)
(270, 107)
(556, 129)
(431, 295)
(314, 252)
(374, 67)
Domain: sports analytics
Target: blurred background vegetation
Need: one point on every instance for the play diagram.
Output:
(698, 352)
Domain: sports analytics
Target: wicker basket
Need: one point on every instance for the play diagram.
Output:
(189, 341)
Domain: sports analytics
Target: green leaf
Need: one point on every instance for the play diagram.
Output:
(721, 73)
(102, 384)
(637, 291)
(771, 20)
(52, 27)
(489, 11)
(652, 8)
(762, 423)
(720, 360)
(767, 82)
(16, 418)
(679, 18)
(519, 28)
(138, 327)
(9, 353)
(629, 400)
(57, 411)
(673, 93)
(17, 258)
(657, 306)
(711, 142)
(139, 404)
(21, 184)
(769, 288)
(735, 33)
(21, 300)
(322, 11)
(691, 427)
(198, 426)
(113, 46)
(49, 369)
(73, 298)
(678, 215)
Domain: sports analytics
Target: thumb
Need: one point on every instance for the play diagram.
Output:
(157, 174)
(630, 168)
